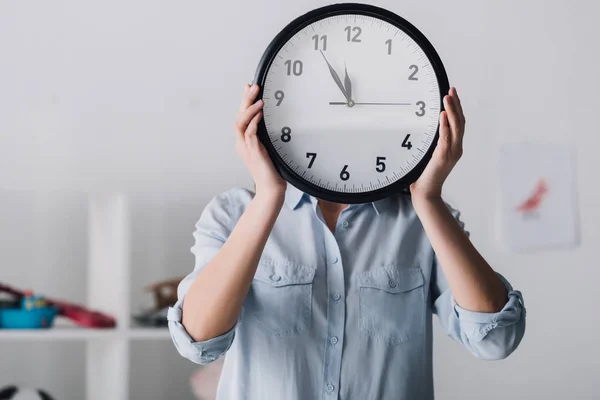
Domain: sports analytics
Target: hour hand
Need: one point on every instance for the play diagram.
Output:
(336, 78)
(347, 84)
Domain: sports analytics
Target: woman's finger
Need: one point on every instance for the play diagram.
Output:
(251, 137)
(250, 93)
(246, 116)
(458, 105)
(452, 116)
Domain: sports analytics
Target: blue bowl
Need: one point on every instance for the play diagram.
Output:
(38, 318)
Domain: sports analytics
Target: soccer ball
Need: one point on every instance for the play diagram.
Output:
(16, 393)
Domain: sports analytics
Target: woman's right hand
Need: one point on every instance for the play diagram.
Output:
(266, 178)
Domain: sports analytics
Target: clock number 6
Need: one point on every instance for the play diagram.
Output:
(286, 134)
(344, 175)
(380, 164)
(312, 157)
(421, 111)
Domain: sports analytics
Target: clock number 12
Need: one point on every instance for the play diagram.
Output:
(357, 31)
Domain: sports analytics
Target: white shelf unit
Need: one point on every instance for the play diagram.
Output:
(108, 290)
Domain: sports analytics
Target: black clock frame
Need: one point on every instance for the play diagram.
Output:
(400, 186)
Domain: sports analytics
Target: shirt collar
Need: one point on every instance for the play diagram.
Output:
(294, 196)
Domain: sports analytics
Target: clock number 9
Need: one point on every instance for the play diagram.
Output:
(380, 164)
(421, 111)
(357, 31)
(286, 134)
(279, 95)
(295, 67)
(344, 175)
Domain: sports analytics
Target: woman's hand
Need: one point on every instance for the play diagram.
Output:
(267, 180)
(447, 152)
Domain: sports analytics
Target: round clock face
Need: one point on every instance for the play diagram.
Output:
(352, 102)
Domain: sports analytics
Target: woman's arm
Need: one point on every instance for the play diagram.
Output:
(214, 300)
(474, 284)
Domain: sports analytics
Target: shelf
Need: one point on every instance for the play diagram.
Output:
(64, 333)
(148, 333)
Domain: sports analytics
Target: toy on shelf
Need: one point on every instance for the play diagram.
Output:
(33, 313)
(17, 393)
(81, 316)
(165, 295)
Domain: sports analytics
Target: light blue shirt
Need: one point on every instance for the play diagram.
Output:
(344, 315)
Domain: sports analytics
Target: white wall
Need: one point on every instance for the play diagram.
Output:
(141, 95)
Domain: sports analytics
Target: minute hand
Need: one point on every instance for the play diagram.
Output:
(336, 78)
(340, 103)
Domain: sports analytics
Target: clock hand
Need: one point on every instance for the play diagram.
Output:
(336, 78)
(347, 83)
(340, 103)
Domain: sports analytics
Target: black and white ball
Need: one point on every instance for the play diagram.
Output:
(17, 393)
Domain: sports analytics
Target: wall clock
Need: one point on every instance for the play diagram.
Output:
(352, 95)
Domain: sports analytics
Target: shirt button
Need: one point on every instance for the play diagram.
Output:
(336, 296)
(334, 340)
(335, 260)
(330, 388)
(345, 224)
(392, 283)
(275, 278)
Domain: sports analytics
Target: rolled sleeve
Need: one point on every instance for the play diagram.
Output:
(490, 336)
(203, 352)
(212, 230)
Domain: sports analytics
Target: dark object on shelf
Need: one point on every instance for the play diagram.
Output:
(17, 393)
(153, 318)
(165, 293)
(9, 303)
(80, 315)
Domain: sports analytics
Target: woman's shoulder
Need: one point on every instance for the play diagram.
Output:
(232, 202)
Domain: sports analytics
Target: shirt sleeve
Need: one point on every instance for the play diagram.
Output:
(212, 230)
(489, 336)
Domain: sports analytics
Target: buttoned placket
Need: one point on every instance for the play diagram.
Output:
(336, 310)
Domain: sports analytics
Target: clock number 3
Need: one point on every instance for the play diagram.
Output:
(421, 111)
(344, 175)
(286, 134)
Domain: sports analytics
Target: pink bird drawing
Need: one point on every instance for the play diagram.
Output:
(535, 200)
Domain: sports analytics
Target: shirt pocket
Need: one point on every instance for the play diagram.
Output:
(392, 305)
(280, 297)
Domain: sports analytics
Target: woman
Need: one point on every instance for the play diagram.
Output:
(319, 300)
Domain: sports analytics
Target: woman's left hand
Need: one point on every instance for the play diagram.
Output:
(447, 152)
